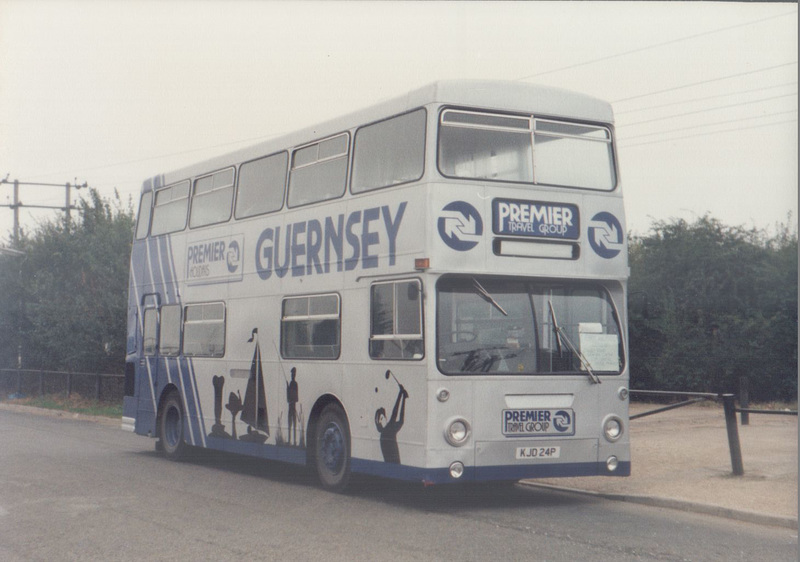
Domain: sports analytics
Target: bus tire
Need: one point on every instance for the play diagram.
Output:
(332, 448)
(171, 427)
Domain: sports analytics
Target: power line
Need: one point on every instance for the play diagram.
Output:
(705, 82)
(727, 121)
(736, 93)
(68, 206)
(170, 155)
(734, 130)
(705, 110)
(656, 45)
(261, 138)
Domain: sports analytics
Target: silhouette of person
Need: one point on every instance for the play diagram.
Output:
(391, 453)
(292, 397)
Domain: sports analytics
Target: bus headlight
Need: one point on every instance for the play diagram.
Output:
(612, 463)
(612, 428)
(457, 432)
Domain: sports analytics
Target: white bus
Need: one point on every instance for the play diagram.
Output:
(431, 289)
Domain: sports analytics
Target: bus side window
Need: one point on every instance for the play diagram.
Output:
(204, 330)
(396, 320)
(171, 208)
(319, 171)
(150, 332)
(169, 339)
(261, 185)
(212, 199)
(145, 209)
(311, 327)
(389, 152)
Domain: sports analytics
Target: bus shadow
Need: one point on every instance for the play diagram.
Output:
(410, 495)
(461, 497)
(279, 472)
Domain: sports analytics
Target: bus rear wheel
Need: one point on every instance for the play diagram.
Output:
(170, 427)
(332, 448)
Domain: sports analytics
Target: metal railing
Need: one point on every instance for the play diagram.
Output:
(729, 406)
(744, 408)
(102, 386)
(693, 398)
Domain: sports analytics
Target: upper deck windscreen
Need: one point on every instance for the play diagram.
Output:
(525, 149)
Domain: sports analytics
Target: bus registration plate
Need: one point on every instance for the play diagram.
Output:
(538, 453)
(538, 422)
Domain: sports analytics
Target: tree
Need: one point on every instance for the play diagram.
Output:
(71, 290)
(721, 303)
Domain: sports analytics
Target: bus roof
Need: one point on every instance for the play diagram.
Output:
(485, 94)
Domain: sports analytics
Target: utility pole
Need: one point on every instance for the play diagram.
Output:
(67, 208)
(16, 213)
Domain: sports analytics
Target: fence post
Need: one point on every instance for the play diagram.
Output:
(69, 384)
(729, 403)
(97, 388)
(744, 399)
(41, 382)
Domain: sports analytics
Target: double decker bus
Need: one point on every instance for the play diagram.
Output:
(431, 289)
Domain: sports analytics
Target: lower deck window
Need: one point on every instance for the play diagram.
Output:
(169, 338)
(150, 331)
(396, 320)
(311, 327)
(204, 330)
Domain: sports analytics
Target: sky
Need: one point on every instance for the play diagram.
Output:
(111, 93)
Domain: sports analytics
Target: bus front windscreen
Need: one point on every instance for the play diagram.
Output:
(511, 327)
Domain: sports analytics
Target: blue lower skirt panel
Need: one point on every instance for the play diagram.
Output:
(294, 455)
(297, 455)
(486, 473)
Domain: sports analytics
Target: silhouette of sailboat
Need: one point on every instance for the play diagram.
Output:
(254, 409)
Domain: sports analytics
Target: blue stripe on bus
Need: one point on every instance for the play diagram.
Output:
(160, 269)
(293, 455)
(191, 399)
(486, 473)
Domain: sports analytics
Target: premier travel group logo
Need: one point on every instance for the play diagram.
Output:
(605, 235)
(460, 226)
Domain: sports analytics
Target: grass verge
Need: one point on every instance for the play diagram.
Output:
(74, 403)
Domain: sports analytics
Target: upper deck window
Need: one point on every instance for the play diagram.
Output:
(573, 155)
(261, 185)
(145, 208)
(212, 199)
(319, 171)
(523, 149)
(390, 152)
(169, 212)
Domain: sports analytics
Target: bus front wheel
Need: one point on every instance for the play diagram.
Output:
(332, 448)
(170, 427)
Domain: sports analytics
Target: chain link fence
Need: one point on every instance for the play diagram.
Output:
(103, 387)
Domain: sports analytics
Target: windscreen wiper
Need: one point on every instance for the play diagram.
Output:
(556, 329)
(485, 294)
(561, 333)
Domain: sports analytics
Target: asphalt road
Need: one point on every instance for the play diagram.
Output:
(76, 490)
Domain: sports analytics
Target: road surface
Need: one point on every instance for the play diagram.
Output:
(78, 490)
